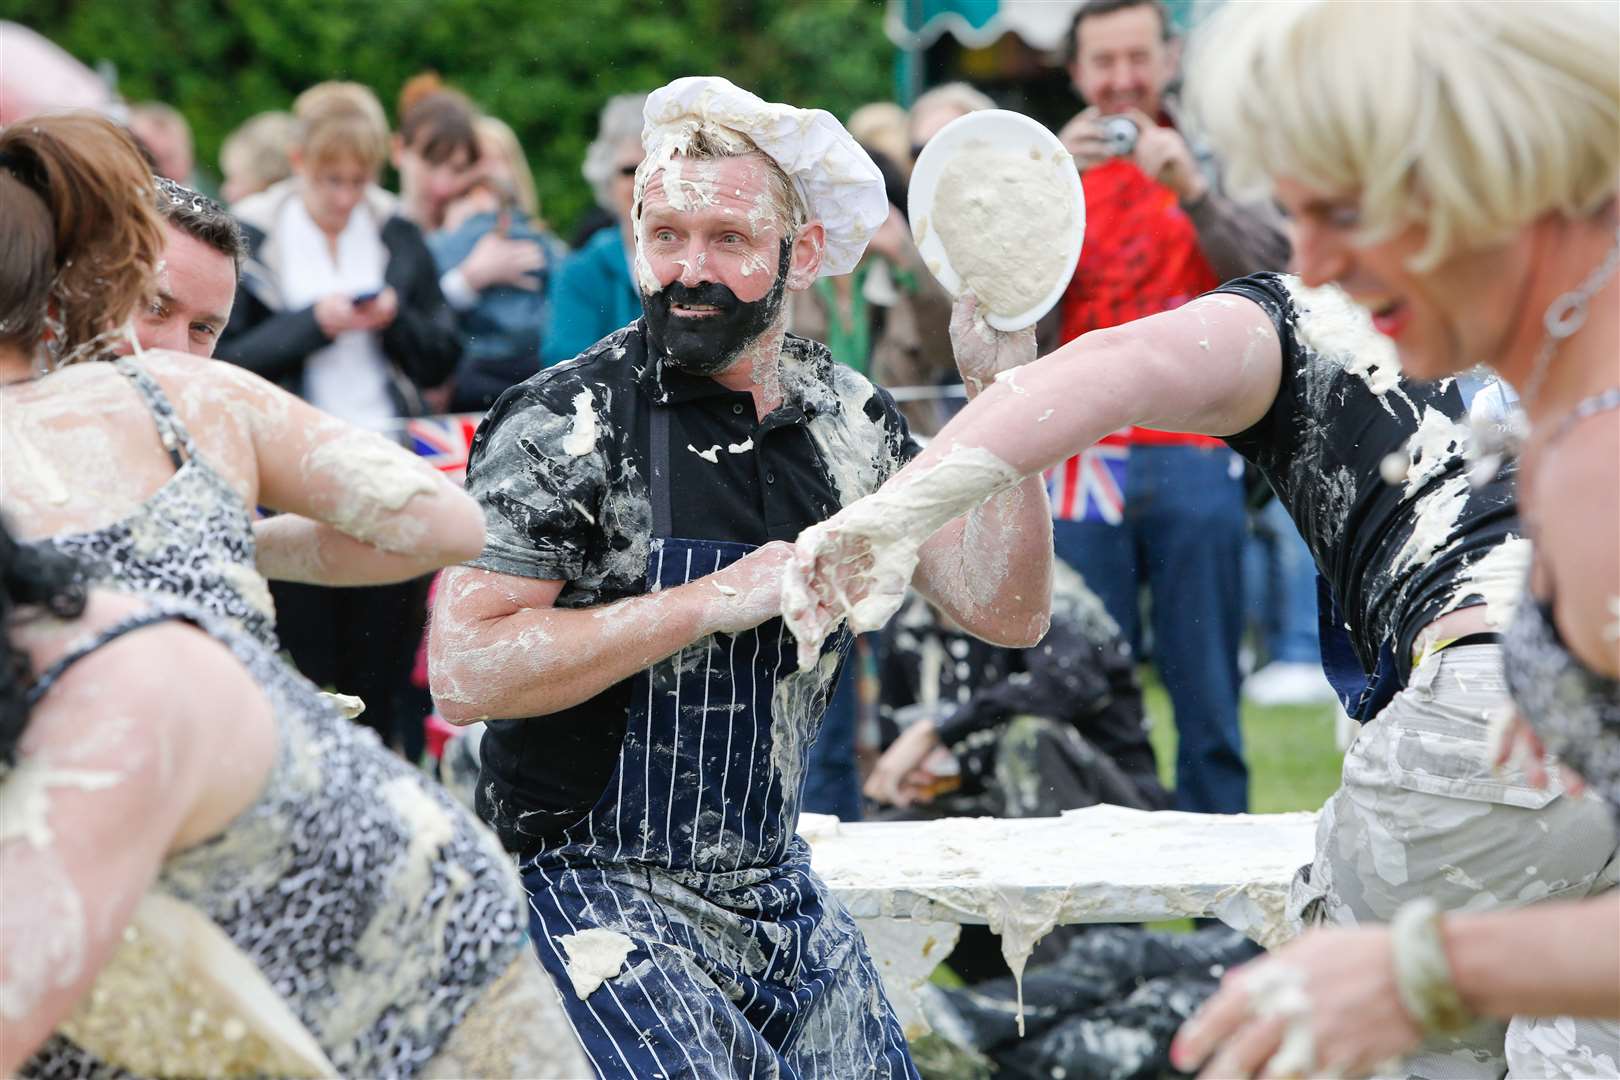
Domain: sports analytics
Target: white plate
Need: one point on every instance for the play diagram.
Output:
(994, 129)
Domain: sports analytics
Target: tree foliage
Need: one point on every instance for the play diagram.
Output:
(543, 66)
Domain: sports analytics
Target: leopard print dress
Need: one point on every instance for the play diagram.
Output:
(1574, 709)
(382, 912)
(192, 539)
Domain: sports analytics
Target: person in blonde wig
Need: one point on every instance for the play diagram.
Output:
(1453, 166)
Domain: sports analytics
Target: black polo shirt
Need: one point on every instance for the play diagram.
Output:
(561, 466)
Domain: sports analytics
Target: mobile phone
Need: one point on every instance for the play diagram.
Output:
(362, 299)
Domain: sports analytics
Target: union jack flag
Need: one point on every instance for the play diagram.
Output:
(444, 441)
(1091, 485)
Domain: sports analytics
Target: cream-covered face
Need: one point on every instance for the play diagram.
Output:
(196, 287)
(715, 221)
(1123, 60)
(1463, 312)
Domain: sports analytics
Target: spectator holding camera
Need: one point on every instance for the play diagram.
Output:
(340, 303)
(1159, 232)
(1123, 56)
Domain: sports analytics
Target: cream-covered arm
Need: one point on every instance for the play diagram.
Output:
(372, 511)
(991, 568)
(289, 547)
(499, 649)
(1212, 366)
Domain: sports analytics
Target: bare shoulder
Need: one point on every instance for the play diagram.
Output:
(203, 379)
(1577, 486)
(168, 680)
(1576, 510)
(229, 410)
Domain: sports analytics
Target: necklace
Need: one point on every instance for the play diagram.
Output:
(1493, 444)
(1564, 316)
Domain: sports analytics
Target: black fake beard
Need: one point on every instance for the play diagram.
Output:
(710, 344)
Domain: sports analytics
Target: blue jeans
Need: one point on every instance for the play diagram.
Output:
(1279, 576)
(1182, 537)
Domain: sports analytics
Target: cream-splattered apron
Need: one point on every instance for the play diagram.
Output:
(737, 962)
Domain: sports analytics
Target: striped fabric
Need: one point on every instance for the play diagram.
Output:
(740, 964)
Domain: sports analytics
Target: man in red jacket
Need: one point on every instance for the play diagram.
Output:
(1147, 507)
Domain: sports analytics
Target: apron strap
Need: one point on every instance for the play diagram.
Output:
(662, 520)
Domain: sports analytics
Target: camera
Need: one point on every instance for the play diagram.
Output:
(1120, 134)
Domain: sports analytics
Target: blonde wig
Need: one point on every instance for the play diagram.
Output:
(1470, 118)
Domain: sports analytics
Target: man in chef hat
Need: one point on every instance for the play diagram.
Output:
(647, 725)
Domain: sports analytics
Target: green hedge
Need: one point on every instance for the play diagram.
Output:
(543, 66)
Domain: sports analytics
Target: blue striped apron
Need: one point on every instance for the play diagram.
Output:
(741, 964)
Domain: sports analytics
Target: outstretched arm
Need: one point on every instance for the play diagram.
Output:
(499, 649)
(358, 509)
(1212, 366)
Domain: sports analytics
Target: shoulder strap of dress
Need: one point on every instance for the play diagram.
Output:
(48, 678)
(173, 433)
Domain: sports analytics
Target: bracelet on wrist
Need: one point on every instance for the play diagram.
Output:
(1423, 972)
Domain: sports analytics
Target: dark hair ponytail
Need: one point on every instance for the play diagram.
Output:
(33, 578)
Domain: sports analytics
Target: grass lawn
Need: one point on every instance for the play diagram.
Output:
(1293, 762)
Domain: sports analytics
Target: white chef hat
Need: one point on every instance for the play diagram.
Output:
(838, 182)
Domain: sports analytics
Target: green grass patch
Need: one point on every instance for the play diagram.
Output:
(1293, 762)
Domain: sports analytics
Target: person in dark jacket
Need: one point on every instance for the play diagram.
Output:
(973, 729)
(340, 303)
(340, 297)
(1013, 732)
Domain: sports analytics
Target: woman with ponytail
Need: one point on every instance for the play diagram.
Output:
(144, 467)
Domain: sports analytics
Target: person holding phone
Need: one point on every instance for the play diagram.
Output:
(340, 304)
